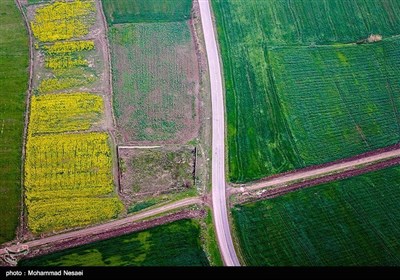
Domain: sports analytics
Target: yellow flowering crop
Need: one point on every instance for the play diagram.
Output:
(64, 175)
(64, 62)
(63, 20)
(79, 164)
(69, 47)
(58, 214)
(68, 175)
(55, 84)
(64, 112)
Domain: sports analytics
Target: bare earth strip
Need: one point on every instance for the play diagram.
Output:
(20, 230)
(100, 229)
(138, 147)
(218, 140)
(340, 167)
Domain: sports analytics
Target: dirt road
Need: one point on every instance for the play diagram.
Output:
(319, 172)
(104, 227)
(218, 140)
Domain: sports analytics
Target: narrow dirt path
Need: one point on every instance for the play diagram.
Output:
(138, 147)
(320, 172)
(22, 222)
(110, 122)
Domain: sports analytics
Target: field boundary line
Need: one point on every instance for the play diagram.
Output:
(139, 147)
(108, 58)
(108, 91)
(22, 221)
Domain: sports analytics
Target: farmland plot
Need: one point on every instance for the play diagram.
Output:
(65, 57)
(149, 173)
(14, 83)
(305, 22)
(68, 181)
(339, 101)
(353, 222)
(68, 176)
(338, 110)
(127, 11)
(64, 112)
(155, 80)
(174, 244)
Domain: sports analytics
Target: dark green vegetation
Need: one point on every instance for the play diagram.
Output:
(141, 205)
(38, 1)
(211, 241)
(351, 222)
(156, 171)
(174, 244)
(128, 11)
(342, 101)
(339, 100)
(14, 52)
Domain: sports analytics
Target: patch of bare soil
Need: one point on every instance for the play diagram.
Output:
(147, 173)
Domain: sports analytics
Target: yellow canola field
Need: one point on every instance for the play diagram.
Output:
(56, 84)
(79, 163)
(65, 62)
(69, 47)
(64, 112)
(63, 20)
(65, 175)
(60, 214)
(68, 175)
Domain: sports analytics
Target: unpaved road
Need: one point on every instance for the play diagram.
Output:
(319, 172)
(104, 227)
(218, 140)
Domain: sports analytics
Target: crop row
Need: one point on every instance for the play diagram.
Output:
(57, 84)
(63, 20)
(64, 112)
(68, 47)
(67, 212)
(72, 167)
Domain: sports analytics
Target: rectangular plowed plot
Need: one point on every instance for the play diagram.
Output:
(68, 181)
(155, 81)
(153, 172)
